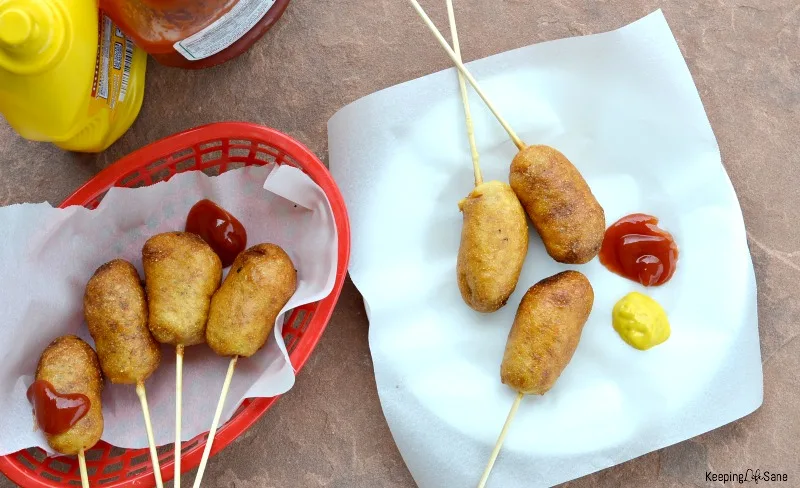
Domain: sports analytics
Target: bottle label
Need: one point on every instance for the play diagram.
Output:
(112, 69)
(224, 31)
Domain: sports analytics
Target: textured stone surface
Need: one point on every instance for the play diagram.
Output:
(329, 430)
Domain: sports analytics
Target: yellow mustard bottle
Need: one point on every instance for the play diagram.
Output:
(68, 75)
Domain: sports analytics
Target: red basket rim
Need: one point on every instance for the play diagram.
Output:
(140, 158)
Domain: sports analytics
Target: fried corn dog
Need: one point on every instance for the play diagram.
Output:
(494, 243)
(542, 340)
(70, 365)
(181, 274)
(560, 204)
(260, 282)
(546, 332)
(243, 310)
(115, 309)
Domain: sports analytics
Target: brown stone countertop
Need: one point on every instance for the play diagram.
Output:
(329, 430)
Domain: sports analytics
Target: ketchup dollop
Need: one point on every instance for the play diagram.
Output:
(636, 248)
(218, 228)
(56, 413)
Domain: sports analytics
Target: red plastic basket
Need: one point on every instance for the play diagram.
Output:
(212, 149)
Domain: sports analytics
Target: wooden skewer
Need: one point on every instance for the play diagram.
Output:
(476, 167)
(500, 440)
(82, 468)
(520, 145)
(212, 432)
(178, 402)
(478, 180)
(140, 392)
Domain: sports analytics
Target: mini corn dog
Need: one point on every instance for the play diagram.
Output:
(494, 243)
(115, 309)
(181, 273)
(494, 234)
(259, 284)
(70, 365)
(546, 332)
(542, 340)
(560, 204)
(243, 310)
(66, 398)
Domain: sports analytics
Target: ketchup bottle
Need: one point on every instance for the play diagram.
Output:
(194, 34)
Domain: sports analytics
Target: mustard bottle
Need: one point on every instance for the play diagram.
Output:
(68, 75)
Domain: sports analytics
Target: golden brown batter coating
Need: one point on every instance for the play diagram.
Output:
(494, 242)
(243, 310)
(559, 203)
(546, 332)
(71, 366)
(115, 308)
(181, 273)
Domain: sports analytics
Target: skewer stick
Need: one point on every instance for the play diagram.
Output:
(140, 392)
(520, 145)
(476, 167)
(82, 468)
(500, 440)
(178, 402)
(212, 432)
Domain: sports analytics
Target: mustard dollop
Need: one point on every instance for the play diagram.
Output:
(640, 321)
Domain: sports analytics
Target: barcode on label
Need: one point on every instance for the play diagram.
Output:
(126, 71)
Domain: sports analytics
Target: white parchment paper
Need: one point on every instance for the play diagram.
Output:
(622, 106)
(48, 255)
